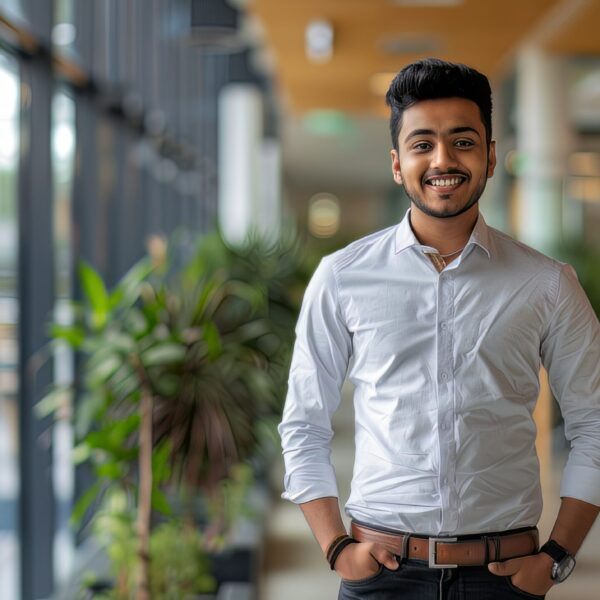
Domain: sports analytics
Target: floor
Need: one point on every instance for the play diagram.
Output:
(294, 568)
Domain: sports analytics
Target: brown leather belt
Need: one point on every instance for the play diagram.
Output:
(448, 552)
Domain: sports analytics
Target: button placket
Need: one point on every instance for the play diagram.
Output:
(445, 312)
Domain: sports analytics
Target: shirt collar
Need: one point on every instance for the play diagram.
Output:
(481, 235)
(405, 237)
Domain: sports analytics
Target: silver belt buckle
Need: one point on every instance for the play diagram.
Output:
(432, 553)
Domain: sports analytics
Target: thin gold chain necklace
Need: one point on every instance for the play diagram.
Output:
(452, 253)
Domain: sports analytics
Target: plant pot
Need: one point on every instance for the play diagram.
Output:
(100, 586)
(235, 564)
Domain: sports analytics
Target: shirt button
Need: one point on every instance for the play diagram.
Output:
(444, 326)
(444, 426)
(444, 376)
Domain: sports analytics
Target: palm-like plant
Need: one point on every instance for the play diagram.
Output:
(183, 371)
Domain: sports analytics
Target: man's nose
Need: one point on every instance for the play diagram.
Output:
(443, 157)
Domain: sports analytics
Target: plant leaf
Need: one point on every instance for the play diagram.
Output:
(110, 470)
(84, 502)
(95, 292)
(213, 340)
(127, 290)
(163, 353)
(160, 502)
(74, 335)
(58, 398)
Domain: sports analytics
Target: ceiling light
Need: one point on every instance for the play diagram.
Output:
(324, 215)
(319, 40)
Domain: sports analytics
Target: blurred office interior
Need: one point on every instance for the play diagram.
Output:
(124, 123)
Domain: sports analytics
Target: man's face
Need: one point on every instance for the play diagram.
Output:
(443, 160)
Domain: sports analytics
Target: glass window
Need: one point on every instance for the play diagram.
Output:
(63, 165)
(9, 313)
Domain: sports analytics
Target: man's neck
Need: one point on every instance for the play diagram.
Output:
(445, 235)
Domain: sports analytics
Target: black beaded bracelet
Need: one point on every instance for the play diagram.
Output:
(333, 544)
(338, 549)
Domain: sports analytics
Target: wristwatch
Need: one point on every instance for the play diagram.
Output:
(564, 563)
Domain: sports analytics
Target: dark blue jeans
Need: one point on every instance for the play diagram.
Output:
(414, 580)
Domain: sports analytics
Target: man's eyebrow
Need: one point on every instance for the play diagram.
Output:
(454, 130)
(464, 130)
(417, 132)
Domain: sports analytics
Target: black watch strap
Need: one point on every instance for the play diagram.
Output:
(564, 562)
(554, 550)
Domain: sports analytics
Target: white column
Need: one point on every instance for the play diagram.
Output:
(268, 214)
(240, 140)
(544, 140)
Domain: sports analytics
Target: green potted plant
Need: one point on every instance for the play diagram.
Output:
(182, 377)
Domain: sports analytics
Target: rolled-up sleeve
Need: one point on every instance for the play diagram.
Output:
(571, 354)
(319, 363)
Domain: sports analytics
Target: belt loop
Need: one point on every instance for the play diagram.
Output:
(496, 548)
(486, 540)
(405, 541)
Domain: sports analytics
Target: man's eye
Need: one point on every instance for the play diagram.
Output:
(464, 143)
(422, 146)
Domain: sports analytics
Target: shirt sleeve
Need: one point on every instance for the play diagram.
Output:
(319, 363)
(570, 352)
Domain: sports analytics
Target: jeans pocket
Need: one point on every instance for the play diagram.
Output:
(522, 593)
(365, 580)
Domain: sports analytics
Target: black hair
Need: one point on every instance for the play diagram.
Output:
(431, 79)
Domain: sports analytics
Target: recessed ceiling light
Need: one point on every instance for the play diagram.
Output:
(319, 40)
(323, 215)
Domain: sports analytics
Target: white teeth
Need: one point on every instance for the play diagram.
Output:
(445, 182)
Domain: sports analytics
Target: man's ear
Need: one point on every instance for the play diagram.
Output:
(396, 166)
(491, 159)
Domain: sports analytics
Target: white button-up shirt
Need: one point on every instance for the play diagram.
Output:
(446, 374)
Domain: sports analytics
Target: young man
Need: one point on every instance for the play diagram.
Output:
(441, 323)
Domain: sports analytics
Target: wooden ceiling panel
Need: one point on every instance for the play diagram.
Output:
(482, 33)
(580, 36)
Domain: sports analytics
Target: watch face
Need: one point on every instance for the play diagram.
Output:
(561, 570)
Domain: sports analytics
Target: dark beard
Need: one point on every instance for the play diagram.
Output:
(446, 215)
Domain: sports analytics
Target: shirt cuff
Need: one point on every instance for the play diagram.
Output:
(305, 486)
(581, 483)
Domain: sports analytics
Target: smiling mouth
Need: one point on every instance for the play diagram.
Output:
(445, 183)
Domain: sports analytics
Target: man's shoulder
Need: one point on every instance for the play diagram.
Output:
(369, 249)
(520, 254)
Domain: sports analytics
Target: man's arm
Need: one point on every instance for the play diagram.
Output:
(570, 352)
(532, 573)
(321, 356)
(319, 363)
(356, 561)
(575, 519)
